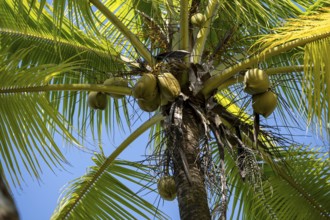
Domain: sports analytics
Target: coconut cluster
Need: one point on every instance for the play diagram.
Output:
(166, 188)
(257, 84)
(99, 100)
(152, 91)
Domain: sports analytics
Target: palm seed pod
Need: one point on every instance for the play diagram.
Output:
(256, 81)
(169, 86)
(198, 19)
(97, 100)
(116, 81)
(149, 106)
(146, 87)
(265, 103)
(166, 188)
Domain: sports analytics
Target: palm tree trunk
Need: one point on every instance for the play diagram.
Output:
(191, 192)
(7, 206)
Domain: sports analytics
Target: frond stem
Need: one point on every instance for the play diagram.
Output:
(70, 87)
(270, 71)
(184, 25)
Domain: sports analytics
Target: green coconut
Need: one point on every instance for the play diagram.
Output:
(256, 81)
(146, 87)
(169, 86)
(116, 81)
(97, 100)
(265, 103)
(198, 19)
(149, 106)
(166, 188)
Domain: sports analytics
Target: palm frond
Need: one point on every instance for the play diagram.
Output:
(296, 29)
(306, 183)
(103, 192)
(315, 82)
(249, 11)
(22, 27)
(28, 120)
(303, 187)
(125, 31)
(32, 27)
(314, 6)
(116, 23)
(273, 172)
(270, 46)
(108, 197)
(235, 21)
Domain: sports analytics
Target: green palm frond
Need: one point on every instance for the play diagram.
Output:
(248, 11)
(25, 27)
(297, 29)
(108, 197)
(270, 46)
(274, 176)
(22, 27)
(315, 82)
(315, 6)
(303, 188)
(103, 192)
(113, 21)
(306, 183)
(235, 22)
(28, 120)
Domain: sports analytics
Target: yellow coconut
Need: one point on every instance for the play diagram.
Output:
(116, 81)
(169, 86)
(198, 19)
(256, 81)
(146, 87)
(265, 103)
(97, 100)
(166, 188)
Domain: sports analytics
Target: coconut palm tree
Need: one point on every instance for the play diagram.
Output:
(208, 73)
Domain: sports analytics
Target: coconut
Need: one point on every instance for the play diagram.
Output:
(198, 19)
(163, 100)
(166, 188)
(256, 81)
(169, 86)
(116, 81)
(146, 87)
(97, 100)
(265, 103)
(149, 106)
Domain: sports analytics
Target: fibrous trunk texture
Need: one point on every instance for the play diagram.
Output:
(8, 209)
(191, 192)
